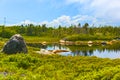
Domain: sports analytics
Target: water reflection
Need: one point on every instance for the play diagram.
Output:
(106, 51)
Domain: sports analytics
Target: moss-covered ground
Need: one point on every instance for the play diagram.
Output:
(34, 66)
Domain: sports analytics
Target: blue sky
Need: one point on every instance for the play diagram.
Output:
(60, 12)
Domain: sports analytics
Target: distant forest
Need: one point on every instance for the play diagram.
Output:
(77, 31)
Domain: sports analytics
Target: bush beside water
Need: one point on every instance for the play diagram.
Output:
(33, 66)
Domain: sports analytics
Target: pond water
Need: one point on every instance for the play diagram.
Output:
(103, 51)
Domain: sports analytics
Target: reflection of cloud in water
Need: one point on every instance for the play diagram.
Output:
(105, 51)
(66, 53)
(107, 54)
(99, 52)
(57, 48)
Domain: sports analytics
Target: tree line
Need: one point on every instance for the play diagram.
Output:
(61, 31)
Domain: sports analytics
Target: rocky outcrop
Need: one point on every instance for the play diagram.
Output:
(16, 44)
(49, 52)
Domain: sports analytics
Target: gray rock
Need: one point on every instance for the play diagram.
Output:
(16, 44)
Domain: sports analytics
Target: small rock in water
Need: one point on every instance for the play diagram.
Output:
(16, 44)
(44, 51)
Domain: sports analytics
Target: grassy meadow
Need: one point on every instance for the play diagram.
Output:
(33, 66)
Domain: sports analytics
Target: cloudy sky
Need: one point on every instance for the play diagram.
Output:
(60, 12)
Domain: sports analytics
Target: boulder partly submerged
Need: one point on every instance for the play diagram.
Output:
(16, 44)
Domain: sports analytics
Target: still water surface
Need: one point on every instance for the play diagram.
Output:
(102, 51)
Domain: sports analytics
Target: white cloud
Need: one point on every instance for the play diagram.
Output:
(27, 22)
(62, 20)
(105, 9)
(67, 20)
(98, 12)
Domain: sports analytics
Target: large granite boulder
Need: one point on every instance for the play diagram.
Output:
(16, 44)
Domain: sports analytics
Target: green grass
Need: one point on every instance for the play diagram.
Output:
(34, 39)
(87, 37)
(34, 66)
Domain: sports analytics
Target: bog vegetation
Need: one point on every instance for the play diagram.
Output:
(33, 66)
(55, 67)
